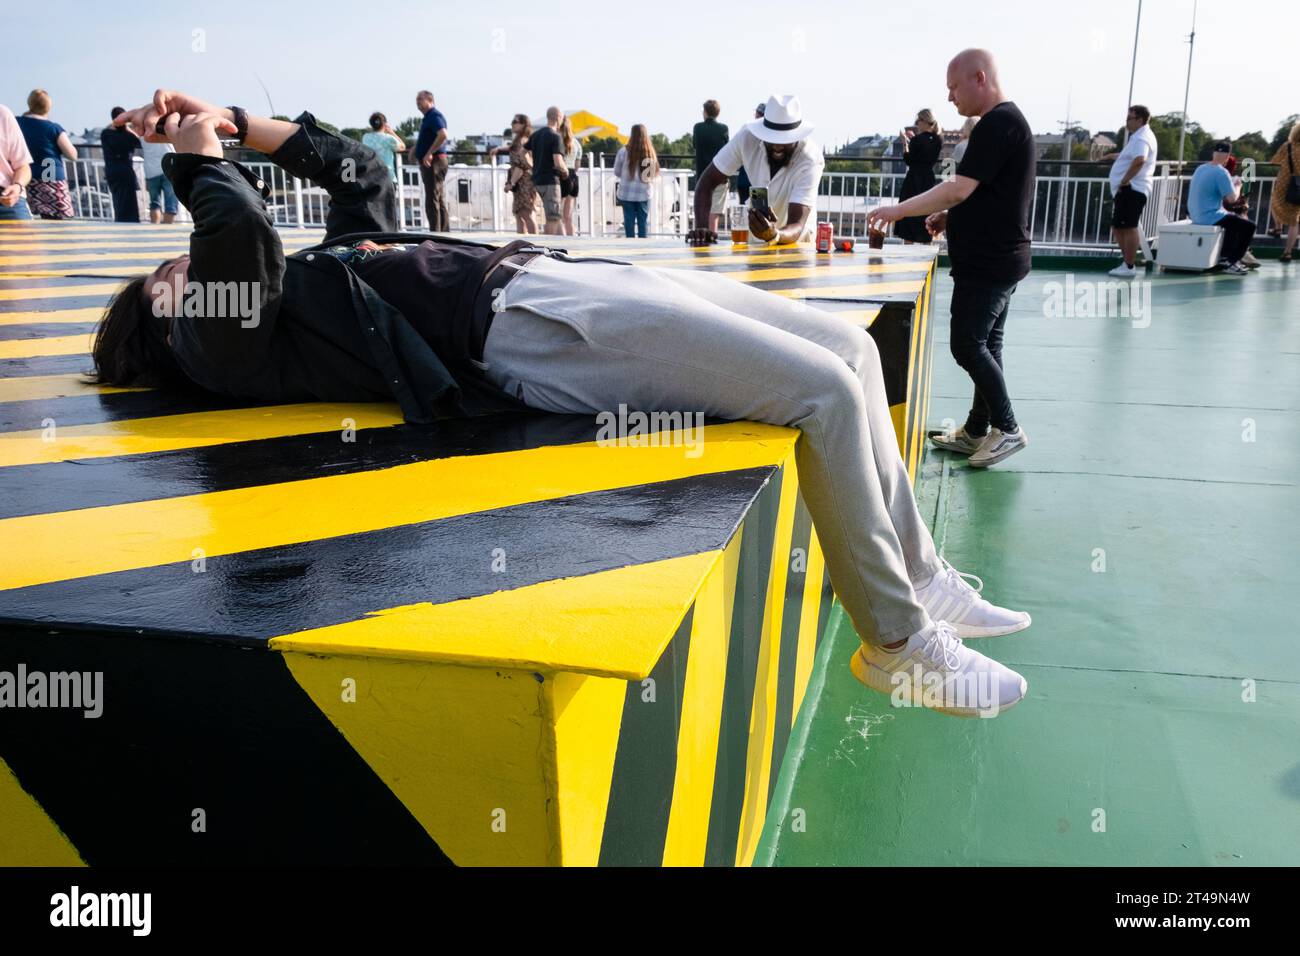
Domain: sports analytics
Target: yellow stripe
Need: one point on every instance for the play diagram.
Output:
(140, 436)
(9, 294)
(34, 387)
(817, 272)
(701, 719)
(50, 345)
(35, 549)
(862, 290)
(613, 623)
(53, 316)
(456, 745)
(585, 715)
(762, 720)
(28, 837)
(40, 259)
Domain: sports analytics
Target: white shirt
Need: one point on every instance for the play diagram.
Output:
(13, 148)
(796, 182)
(1142, 143)
(153, 154)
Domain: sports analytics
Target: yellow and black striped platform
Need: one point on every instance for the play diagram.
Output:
(327, 636)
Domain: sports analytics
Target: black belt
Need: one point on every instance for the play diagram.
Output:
(501, 274)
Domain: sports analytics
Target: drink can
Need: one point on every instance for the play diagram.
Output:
(824, 233)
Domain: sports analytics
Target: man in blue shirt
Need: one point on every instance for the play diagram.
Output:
(431, 154)
(1211, 186)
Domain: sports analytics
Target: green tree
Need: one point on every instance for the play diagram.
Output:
(354, 132)
(466, 146)
(596, 145)
(1282, 133)
(1252, 146)
(409, 127)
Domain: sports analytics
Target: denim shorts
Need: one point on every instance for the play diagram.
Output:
(160, 188)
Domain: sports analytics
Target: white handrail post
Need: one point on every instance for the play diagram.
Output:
(591, 195)
(496, 196)
(398, 189)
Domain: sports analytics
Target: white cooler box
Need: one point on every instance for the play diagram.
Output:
(1185, 245)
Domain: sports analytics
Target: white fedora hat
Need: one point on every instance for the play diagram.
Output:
(782, 121)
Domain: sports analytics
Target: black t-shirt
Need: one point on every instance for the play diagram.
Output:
(988, 234)
(545, 143)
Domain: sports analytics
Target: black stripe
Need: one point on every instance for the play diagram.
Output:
(645, 764)
(44, 330)
(792, 612)
(110, 407)
(892, 331)
(118, 479)
(252, 596)
(188, 726)
(752, 578)
(824, 608)
(46, 365)
(91, 483)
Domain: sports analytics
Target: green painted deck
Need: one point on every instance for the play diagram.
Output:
(1136, 674)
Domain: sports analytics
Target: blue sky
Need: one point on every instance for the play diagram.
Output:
(859, 67)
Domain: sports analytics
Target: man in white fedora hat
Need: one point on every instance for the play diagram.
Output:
(779, 156)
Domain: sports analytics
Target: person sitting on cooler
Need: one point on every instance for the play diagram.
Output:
(779, 157)
(1212, 190)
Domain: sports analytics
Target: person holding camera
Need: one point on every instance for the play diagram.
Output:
(785, 168)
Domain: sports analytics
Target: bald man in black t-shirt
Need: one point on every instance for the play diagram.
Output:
(985, 210)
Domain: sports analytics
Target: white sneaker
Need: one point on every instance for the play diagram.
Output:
(1236, 269)
(1124, 271)
(998, 445)
(957, 440)
(935, 669)
(949, 598)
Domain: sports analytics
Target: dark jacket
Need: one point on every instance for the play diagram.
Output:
(321, 333)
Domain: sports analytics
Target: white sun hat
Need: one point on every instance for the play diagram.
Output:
(782, 122)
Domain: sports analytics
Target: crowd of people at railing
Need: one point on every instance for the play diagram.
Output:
(543, 183)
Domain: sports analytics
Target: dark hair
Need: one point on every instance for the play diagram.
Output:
(116, 112)
(130, 348)
(1141, 112)
(522, 119)
(377, 121)
(712, 109)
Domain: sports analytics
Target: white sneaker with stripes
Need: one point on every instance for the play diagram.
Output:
(949, 598)
(935, 670)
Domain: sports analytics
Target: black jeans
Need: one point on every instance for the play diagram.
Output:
(979, 313)
(1238, 231)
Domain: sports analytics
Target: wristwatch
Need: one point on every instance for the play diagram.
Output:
(240, 121)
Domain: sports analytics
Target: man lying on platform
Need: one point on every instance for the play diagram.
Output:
(450, 328)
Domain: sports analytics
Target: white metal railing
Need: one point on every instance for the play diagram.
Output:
(1068, 210)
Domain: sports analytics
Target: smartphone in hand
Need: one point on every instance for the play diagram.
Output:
(758, 198)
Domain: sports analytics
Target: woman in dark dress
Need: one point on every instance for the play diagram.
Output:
(920, 152)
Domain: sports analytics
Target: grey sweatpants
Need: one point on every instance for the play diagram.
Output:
(588, 335)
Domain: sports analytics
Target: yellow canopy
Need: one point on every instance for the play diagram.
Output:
(585, 124)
